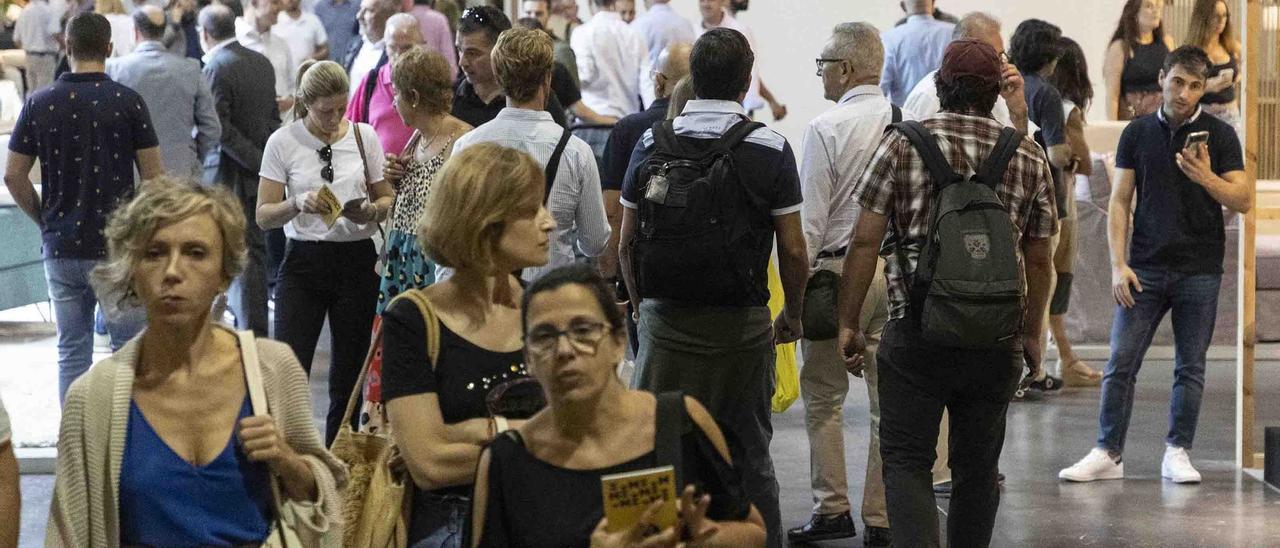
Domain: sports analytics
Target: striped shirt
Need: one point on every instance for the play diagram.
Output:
(576, 201)
(897, 184)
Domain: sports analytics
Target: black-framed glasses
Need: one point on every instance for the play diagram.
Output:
(584, 337)
(326, 156)
(822, 62)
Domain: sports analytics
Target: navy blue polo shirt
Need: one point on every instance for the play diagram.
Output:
(1177, 225)
(626, 133)
(1044, 108)
(85, 129)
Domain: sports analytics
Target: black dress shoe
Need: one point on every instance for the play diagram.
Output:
(877, 536)
(824, 527)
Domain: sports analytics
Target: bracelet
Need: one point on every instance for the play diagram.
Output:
(500, 424)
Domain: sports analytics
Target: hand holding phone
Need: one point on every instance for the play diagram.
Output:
(1194, 140)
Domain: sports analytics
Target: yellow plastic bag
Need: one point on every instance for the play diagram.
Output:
(786, 388)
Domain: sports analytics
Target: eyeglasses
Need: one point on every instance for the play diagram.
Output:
(584, 337)
(326, 156)
(821, 62)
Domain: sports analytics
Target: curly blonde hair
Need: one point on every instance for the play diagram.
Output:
(479, 190)
(161, 202)
(427, 73)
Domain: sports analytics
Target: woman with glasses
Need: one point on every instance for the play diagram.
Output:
(1134, 59)
(549, 470)
(1211, 31)
(321, 180)
(485, 219)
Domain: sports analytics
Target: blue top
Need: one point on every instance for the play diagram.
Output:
(622, 141)
(338, 17)
(912, 51)
(167, 501)
(1177, 225)
(85, 129)
(1044, 108)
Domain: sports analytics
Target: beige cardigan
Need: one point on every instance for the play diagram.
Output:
(85, 511)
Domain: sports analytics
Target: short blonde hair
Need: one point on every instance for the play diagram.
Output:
(522, 59)
(478, 192)
(161, 202)
(108, 7)
(427, 73)
(316, 80)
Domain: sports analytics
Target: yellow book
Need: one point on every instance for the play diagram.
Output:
(627, 495)
(332, 205)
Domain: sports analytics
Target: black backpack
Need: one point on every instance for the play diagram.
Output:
(968, 289)
(703, 236)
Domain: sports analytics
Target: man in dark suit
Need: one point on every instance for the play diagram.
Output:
(246, 103)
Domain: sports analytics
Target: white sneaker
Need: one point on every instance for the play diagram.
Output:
(1177, 466)
(1097, 465)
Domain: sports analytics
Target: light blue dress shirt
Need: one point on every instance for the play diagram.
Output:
(661, 27)
(911, 51)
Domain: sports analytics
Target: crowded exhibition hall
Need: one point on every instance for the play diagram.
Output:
(639, 273)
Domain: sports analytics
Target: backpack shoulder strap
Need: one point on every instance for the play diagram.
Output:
(992, 171)
(664, 137)
(738, 133)
(672, 420)
(897, 113)
(927, 145)
(553, 164)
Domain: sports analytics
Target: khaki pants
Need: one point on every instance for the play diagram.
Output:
(40, 69)
(824, 383)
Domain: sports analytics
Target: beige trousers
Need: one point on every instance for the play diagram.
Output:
(824, 383)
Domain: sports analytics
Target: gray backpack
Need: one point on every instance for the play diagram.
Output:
(968, 289)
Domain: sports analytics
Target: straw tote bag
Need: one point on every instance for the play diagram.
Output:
(377, 498)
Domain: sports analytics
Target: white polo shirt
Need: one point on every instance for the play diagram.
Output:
(292, 157)
(304, 35)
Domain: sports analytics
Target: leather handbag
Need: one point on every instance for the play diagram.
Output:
(821, 296)
(377, 498)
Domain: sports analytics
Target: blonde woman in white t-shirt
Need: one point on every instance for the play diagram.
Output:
(328, 268)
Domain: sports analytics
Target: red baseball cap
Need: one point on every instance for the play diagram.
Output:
(968, 57)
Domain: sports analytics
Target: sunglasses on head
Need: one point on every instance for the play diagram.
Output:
(478, 14)
(326, 156)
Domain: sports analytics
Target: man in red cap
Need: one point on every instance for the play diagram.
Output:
(920, 377)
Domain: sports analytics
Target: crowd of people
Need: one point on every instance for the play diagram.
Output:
(510, 213)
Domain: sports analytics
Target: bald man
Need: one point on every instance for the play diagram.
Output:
(673, 64)
(374, 99)
(174, 91)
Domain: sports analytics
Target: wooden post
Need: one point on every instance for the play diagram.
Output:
(1248, 258)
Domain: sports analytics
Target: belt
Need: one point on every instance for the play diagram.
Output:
(833, 254)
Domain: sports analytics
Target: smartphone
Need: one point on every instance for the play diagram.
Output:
(1195, 139)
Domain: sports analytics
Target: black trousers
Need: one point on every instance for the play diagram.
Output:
(917, 380)
(334, 280)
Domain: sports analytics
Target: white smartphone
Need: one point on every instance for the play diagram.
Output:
(1195, 139)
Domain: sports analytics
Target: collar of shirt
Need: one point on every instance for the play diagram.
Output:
(466, 93)
(919, 18)
(149, 45)
(524, 115)
(861, 91)
(715, 106)
(249, 32)
(208, 56)
(1165, 121)
(377, 46)
(83, 77)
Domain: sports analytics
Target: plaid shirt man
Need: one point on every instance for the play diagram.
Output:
(897, 184)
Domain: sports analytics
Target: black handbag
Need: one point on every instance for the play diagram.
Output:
(820, 302)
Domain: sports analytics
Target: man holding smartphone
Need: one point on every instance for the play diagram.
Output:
(1184, 165)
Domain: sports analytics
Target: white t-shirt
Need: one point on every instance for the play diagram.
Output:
(122, 39)
(304, 35)
(292, 157)
(366, 59)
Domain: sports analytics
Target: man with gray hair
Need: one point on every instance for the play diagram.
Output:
(177, 95)
(1011, 105)
(837, 146)
(369, 52)
(913, 49)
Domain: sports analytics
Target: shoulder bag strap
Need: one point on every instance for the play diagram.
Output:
(927, 145)
(670, 424)
(992, 171)
(897, 113)
(553, 164)
(664, 137)
(258, 401)
(368, 181)
(430, 322)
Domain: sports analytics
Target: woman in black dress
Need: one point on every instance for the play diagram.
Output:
(1134, 59)
(539, 485)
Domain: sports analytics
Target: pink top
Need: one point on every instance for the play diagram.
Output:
(381, 112)
(436, 35)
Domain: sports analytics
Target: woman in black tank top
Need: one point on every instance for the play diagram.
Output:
(540, 484)
(1134, 59)
(1212, 31)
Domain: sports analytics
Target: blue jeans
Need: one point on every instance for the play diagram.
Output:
(440, 520)
(73, 305)
(1193, 299)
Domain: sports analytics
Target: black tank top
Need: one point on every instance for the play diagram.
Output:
(1142, 70)
(1227, 95)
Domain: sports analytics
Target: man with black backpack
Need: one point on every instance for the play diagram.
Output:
(969, 208)
(703, 197)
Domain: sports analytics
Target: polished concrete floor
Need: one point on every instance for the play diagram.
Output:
(1227, 510)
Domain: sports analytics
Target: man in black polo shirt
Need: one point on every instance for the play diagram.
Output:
(478, 98)
(88, 133)
(1174, 262)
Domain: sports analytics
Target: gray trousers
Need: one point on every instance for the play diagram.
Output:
(724, 358)
(40, 69)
